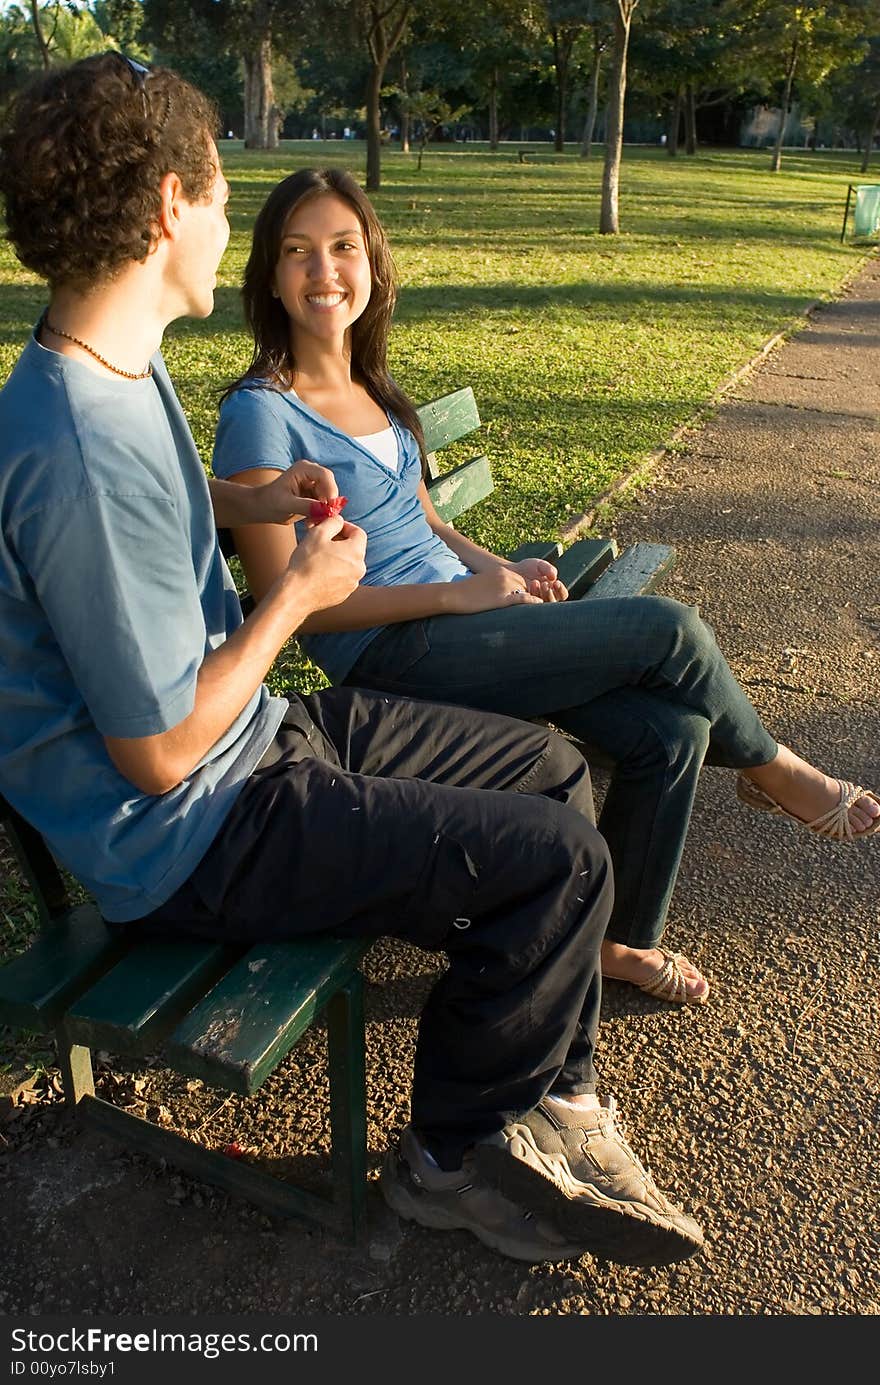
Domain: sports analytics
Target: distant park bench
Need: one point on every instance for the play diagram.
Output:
(542, 153)
(230, 1015)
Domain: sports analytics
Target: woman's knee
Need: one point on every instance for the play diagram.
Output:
(685, 626)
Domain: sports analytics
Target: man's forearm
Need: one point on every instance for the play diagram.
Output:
(226, 682)
(234, 504)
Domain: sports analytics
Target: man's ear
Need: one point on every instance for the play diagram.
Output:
(171, 206)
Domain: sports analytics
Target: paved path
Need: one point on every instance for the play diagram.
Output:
(760, 1111)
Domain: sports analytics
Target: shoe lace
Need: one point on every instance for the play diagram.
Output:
(613, 1128)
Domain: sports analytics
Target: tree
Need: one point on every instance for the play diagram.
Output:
(609, 222)
(213, 28)
(565, 20)
(804, 42)
(428, 112)
(63, 31)
(856, 91)
(494, 36)
(122, 21)
(689, 55)
(599, 35)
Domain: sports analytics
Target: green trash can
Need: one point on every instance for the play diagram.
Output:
(866, 209)
(866, 213)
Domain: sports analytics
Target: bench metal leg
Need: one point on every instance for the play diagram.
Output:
(75, 1062)
(348, 1106)
(345, 1212)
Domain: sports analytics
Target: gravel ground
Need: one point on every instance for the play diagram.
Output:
(757, 1112)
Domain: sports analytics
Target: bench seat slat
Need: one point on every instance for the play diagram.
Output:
(457, 490)
(448, 418)
(63, 961)
(636, 572)
(244, 1026)
(536, 549)
(146, 993)
(582, 563)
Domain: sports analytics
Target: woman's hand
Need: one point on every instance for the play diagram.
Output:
(540, 579)
(487, 591)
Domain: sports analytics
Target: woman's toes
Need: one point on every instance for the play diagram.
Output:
(697, 985)
(863, 814)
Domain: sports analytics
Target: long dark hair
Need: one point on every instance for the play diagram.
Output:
(267, 317)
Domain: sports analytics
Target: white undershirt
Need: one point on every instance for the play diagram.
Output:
(383, 446)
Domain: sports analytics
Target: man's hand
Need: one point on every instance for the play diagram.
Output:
(289, 496)
(328, 563)
(286, 498)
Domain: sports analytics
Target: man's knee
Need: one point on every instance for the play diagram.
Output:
(564, 774)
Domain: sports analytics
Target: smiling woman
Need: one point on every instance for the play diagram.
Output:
(639, 679)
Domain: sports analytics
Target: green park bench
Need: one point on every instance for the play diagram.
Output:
(228, 1016)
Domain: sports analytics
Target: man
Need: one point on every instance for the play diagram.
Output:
(137, 735)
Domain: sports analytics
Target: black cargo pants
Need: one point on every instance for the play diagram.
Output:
(459, 831)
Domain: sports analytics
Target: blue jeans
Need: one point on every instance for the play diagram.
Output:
(639, 681)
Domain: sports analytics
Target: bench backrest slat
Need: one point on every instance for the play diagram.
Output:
(447, 419)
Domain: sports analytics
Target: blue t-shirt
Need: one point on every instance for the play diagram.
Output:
(112, 592)
(261, 427)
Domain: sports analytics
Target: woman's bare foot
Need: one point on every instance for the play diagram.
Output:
(641, 964)
(806, 792)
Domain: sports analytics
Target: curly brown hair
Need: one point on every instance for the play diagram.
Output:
(82, 159)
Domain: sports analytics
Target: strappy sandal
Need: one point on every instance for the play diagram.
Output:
(669, 983)
(835, 823)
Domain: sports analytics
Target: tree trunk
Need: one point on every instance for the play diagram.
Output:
(561, 55)
(609, 223)
(493, 108)
(690, 120)
(404, 114)
(42, 42)
(869, 140)
(776, 162)
(590, 122)
(674, 124)
(374, 127)
(260, 122)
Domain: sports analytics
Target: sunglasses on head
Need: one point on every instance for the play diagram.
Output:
(140, 75)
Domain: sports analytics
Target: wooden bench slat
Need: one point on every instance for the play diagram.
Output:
(63, 961)
(146, 993)
(636, 572)
(536, 549)
(583, 562)
(461, 488)
(448, 418)
(244, 1026)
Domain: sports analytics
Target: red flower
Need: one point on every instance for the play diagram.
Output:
(234, 1150)
(323, 509)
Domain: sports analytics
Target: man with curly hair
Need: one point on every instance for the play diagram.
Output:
(137, 735)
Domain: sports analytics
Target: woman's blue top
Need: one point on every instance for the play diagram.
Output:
(262, 427)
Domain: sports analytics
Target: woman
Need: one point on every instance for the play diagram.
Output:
(439, 617)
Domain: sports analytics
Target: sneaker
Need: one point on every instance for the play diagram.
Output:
(415, 1188)
(575, 1167)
